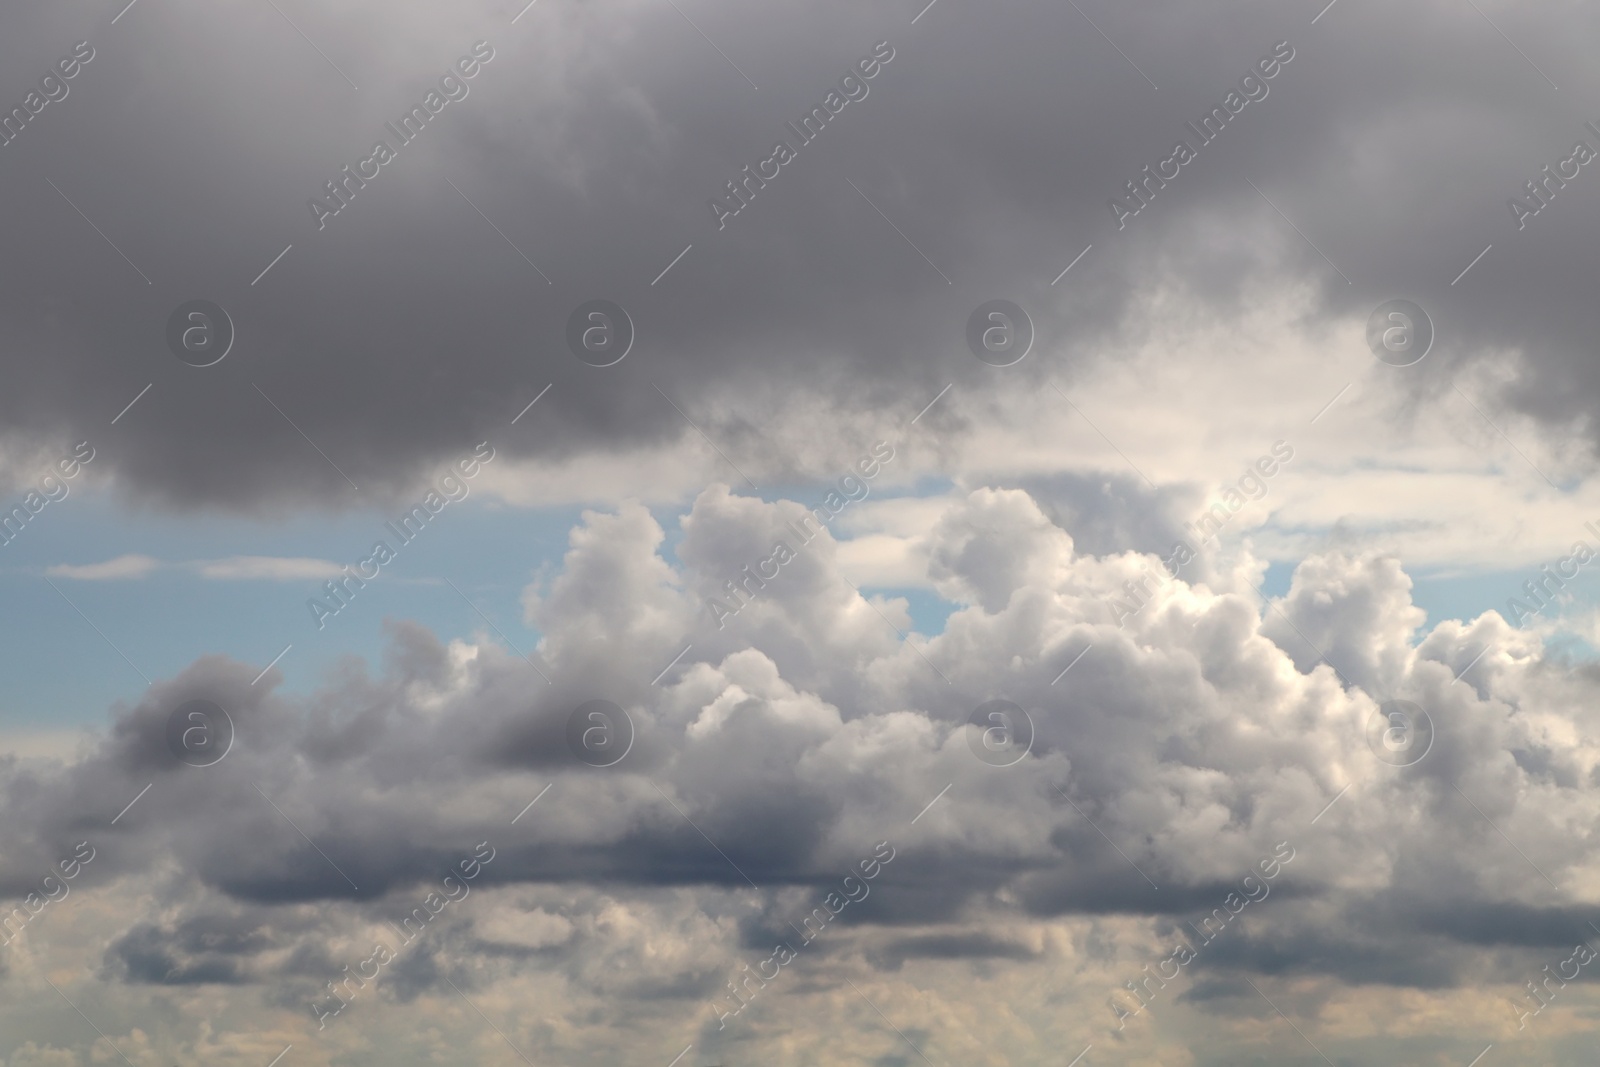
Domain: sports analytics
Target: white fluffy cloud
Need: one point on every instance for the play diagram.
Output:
(1182, 748)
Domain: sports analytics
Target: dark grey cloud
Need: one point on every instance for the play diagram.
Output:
(150, 954)
(407, 330)
(1114, 513)
(973, 946)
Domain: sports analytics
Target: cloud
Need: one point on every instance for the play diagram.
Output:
(231, 569)
(266, 568)
(119, 569)
(775, 745)
(1182, 749)
(533, 929)
(613, 105)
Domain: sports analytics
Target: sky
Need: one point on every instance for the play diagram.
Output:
(877, 534)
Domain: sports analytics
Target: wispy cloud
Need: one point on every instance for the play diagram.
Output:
(230, 569)
(266, 568)
(112, 570)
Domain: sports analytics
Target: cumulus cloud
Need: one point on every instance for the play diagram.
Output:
(1182, 749)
